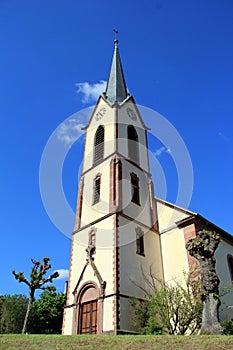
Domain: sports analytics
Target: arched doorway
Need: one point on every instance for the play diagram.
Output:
(88, 310)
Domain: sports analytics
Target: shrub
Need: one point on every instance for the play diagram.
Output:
(227, 327)
(153, 327)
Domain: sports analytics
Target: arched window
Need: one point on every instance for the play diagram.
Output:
(133, 152)
(230, 265)
(96, 189)
(92, 237)
(99, 144)
(139, 241)
(135, 189)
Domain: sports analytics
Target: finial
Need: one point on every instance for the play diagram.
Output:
(116, 36)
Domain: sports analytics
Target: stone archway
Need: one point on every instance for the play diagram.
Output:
(88, 309)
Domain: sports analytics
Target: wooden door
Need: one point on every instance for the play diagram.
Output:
(88, 318)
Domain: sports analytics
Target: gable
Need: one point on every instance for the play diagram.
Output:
(169, 215)
(103, 113)
(129, 114)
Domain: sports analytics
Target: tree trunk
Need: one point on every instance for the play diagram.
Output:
(210, 321)
(27, 314)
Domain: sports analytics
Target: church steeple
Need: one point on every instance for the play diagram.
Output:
(116, 90)
(115, 236)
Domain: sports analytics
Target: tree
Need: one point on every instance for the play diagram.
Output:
(176, 309)
(36, 281)
(203, 248)
(47, 313)
(2, 298)
(12, 313)
(170, 308)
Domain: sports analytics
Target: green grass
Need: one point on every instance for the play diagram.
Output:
(123, 342)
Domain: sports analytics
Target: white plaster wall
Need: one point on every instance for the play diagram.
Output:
(223, 272)
(142, 212)
(174, 255)
(108, 319)
(103, 259)
(132, 264)
(92, 212)
(78, 263)
(168, 216)
(68, 324)
(88, 276)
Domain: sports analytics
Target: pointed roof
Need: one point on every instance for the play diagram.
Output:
(116, 90)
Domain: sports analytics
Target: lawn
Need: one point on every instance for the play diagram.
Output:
(101, 342)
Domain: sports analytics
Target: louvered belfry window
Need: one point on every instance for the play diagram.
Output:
(97, 183)
(99, 144)
(133, 151)
(135, 189)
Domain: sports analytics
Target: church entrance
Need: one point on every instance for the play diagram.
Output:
(88, 311)
(88, 322)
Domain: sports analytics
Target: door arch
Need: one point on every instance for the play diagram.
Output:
(88, 309)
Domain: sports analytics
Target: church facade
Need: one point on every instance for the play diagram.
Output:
(122, 232)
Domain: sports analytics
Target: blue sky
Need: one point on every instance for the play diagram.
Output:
(178, 60)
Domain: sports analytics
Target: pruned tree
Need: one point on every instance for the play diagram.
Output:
(203, 248)
(37, 280)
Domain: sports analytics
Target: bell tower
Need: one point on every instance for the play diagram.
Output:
(115, 241)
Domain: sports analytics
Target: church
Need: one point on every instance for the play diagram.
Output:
(122, 232)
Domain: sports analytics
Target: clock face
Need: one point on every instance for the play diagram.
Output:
(131, 114)
(100, 113)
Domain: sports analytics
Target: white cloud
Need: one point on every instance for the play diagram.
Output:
(161, 150)
(91, 92)
(63, 274)
(71, 129)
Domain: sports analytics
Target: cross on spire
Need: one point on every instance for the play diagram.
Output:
(116, 36)
(116, 90)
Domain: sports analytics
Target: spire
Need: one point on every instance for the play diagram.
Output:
(116, 90)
